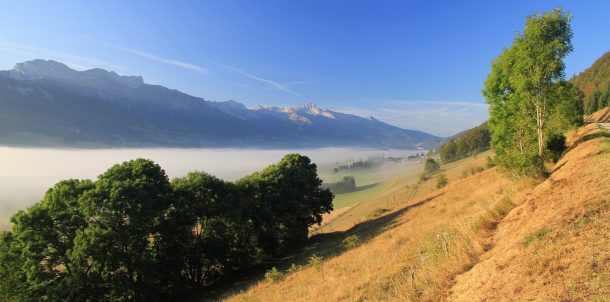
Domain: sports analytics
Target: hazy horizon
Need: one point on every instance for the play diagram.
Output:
(27, 173)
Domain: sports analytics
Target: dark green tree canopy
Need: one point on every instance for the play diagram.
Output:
(468, 143)
(132, 235)
(291, 198)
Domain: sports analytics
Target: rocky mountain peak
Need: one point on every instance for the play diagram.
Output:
(313, 109)
(52, 70)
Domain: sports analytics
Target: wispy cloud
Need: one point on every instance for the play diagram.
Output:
(73, 60)
(300, 83)
(273, 84)
(177, 63)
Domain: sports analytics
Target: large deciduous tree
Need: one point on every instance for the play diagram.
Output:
(528, 96)
(283, 201)
(44, 235)
(126, 234)
(213, 232)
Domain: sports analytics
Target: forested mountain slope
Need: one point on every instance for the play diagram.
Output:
(594, 82)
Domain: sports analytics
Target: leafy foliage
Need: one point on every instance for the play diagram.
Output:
(441, 181)
(594, 82)
(282, 201)
(556, 146)
(273, 275)
(528, 99)
(213, 238)
(133, 235)
(294, 268)
(315, 260)
(468, 143)
(351, 241)
(431, 166)
(345, 185)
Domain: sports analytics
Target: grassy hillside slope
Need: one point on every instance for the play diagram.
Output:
(600, 116)
(395, 192)
(456, 243)
(412, 251)
(555, 244)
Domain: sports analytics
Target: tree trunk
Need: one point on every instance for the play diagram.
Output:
(539, 126)
(540, 131)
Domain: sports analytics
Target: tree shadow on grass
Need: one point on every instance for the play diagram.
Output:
(327, 245)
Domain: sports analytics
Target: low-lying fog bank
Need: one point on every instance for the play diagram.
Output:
(25, 174)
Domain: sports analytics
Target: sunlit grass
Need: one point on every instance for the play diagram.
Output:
(349, 199)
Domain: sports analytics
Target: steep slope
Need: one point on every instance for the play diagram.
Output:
(45, 103)
(486, 237)
(594, 78)
(555, 245)
(600, 116)
(410, 252)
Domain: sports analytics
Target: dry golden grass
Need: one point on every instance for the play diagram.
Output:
(600, 116)
(401, 190)
(463, 242)
(555, 246)
(411, 252)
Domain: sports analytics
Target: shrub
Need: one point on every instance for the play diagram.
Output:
(556, 146)
(431, 166)
(351, 241)
(294, 268)
(273, 275)
(314, 260)
(441, 181)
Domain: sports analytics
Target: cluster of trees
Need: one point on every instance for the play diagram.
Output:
(370, 163)
(416, 156)
(358, 165)
(134, 235)
(595, 84)
(597, 100)
(345, 185)
(470, 142)
(529, 100)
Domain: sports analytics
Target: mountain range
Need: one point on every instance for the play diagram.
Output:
(47, 104)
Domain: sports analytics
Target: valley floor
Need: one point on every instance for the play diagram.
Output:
(483, 237)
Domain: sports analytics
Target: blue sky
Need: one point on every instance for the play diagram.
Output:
(415, 64)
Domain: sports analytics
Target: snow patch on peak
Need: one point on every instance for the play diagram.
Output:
(313, 109)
